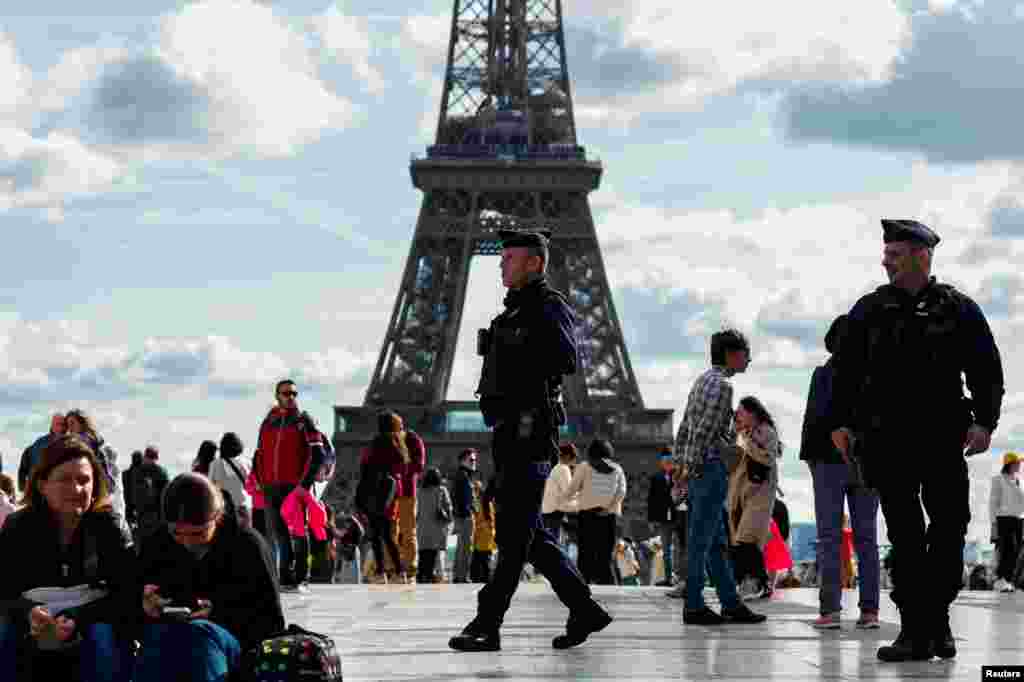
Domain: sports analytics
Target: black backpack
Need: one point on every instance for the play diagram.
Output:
(295, 654)
(376, 490)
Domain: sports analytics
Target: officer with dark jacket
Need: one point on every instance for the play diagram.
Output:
(527, 351)
(898, 392)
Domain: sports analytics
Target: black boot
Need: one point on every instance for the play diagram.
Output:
(581, 626)
(942, 640)
(475, 637)
(912, 644)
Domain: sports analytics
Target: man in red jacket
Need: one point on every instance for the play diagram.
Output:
(289, 453)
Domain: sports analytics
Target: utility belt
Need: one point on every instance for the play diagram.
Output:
(539, 439)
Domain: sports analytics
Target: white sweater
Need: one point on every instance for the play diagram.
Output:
(1006, 498)
(597, 490)
(224, 477)
(555, 489)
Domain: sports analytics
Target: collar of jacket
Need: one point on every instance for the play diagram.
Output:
(515, 298)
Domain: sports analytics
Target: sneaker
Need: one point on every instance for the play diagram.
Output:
(664, 583)
(830, 621)
(704, 616)
(1007, 587)
(677, 592)
(1000, 585)
(868, 620)
(289, 589)
(303, 588)
(740, 614)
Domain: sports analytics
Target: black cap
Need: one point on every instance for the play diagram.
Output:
(512, 238)
(908, 231)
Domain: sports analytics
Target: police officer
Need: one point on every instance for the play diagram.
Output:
(899, 409)
(527, 350)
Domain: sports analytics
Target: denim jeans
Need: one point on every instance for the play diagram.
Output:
(668, 531)
(830, 490)
(707, 540)
(278, 537)
(463, 550)
(103, 657)
(199, 651)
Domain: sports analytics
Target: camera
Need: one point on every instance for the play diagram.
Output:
(483, 342)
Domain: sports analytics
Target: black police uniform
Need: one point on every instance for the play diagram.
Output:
(527, 350)
(898, 386)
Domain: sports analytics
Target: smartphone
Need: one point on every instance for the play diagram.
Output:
(176, 614)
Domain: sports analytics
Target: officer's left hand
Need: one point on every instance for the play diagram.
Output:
(978, 440)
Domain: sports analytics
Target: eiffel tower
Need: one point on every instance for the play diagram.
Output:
(505, 156)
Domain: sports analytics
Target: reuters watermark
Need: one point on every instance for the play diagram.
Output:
(1002, 672)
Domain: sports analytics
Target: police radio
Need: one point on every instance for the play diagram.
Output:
(483, 342)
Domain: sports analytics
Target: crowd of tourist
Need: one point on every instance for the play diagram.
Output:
(135, 573)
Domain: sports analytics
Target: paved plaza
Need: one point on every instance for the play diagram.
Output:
(401, 633)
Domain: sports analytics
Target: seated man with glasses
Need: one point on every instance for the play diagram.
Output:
(207, 587)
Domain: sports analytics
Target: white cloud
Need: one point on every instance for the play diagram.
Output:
(730, 44)
(261, 79)
(65, 80)
(346, 38)
(17, 83)
(43, 172)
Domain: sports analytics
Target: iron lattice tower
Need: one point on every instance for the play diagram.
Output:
(505, 156)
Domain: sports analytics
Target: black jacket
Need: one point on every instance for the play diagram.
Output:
(659, 499)
(816, 436)
(236, 576)
(905, 358)
(462, 493)
(100, 552)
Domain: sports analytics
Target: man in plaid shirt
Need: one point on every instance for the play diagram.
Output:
(707, 428)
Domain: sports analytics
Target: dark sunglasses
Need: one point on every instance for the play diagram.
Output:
(290, 394)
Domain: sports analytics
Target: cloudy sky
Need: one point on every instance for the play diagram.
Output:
(197, 198)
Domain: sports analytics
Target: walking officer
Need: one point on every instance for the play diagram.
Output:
(527, 350)
(900, 410)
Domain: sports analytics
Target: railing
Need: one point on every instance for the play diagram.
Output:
(513, 152)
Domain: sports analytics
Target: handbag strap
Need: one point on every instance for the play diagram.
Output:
(238, 472)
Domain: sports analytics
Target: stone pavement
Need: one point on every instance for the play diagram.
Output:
(401, 632)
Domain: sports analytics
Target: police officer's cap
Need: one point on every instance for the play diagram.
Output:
(908, 231)
(534, 239)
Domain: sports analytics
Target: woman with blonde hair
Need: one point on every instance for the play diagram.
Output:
(752, 487)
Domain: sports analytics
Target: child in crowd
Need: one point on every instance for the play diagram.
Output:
(484, 542)
(625, 560)
(7, 495)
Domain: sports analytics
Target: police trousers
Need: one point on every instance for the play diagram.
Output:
(924, 472)
(522, 536)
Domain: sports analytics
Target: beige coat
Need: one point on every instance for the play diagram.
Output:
(750, 504)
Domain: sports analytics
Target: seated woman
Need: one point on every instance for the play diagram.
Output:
(65, 539)
(202, 560)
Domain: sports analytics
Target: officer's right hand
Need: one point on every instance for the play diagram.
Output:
(841, 439)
